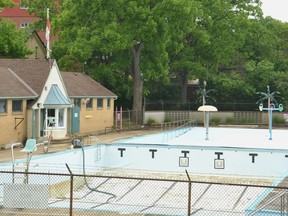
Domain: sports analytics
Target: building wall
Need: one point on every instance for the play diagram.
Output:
(10, 134)
(94, 119)
(35, 45)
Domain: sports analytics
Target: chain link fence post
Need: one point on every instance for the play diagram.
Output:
(189, 193)
(71, 191)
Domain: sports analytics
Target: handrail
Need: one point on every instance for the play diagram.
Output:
(177, 123)
(268, 202)
(12, 153)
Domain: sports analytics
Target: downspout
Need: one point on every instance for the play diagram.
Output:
(33, 124)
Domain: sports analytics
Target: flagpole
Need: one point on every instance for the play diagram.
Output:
(48, 35)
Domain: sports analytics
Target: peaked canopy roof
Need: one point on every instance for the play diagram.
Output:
(56, 98)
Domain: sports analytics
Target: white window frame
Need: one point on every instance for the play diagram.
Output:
(3, 109)
(55, 119)
(24, 25)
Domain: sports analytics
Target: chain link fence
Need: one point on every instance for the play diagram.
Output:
(109, 195)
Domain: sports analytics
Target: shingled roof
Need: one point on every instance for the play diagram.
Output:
(32, 72)
(81, 85)
(11, 86)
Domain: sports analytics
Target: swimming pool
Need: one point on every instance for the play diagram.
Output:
(228, 152)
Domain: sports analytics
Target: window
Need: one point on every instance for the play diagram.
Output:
(16, 106)
(77, 102)
(108, 103)
(24, 25)
(61, 118)
(99, 103)
(22, 6)
(55, 118)
(3, 106)
(89, 104)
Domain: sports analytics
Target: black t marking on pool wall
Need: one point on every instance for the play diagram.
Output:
(185, 153)
(253, 156)
(121, 151)
(153, 151)
(218, 154)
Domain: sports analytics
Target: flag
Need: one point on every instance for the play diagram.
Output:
(47, 36)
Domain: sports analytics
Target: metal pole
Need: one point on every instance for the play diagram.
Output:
(207, 125)
(270, 124)
(189, 194)
(71, 191)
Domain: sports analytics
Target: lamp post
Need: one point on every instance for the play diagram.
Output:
(271, 109)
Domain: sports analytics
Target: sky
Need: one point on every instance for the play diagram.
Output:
(277, 9)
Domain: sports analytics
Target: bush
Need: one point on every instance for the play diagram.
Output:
(216, 120)
(151, 121)
(230, 120)
(278, 120)
(167, 119)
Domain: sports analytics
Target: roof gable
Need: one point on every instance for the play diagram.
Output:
(33, 72)
(20, 89)
(81, 85)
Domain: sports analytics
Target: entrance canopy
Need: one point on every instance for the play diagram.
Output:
(56, 98)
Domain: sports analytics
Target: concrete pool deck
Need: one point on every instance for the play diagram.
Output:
(5, 154)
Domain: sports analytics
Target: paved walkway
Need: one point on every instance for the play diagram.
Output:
(5, 155)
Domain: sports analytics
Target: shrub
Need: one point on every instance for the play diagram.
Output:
(230, 120)
(167, 119)
(216, 120)
(278, 120)
(151, 121)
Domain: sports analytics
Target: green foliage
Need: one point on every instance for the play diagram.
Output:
(142, 48)
(231, 87)
(215, 120)
(151, 122)
(230, 120)
(6, 3)
(167, 119)
(278, 120)
(12, 41)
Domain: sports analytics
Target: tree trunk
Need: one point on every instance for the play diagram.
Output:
(138, 84)
(183, 86)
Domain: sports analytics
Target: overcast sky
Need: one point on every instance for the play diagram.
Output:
(278, 9)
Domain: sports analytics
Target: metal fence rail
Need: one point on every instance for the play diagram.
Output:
(77, 194)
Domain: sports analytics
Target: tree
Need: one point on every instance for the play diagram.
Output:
(6, 3)
(98, 31)
(12, 41)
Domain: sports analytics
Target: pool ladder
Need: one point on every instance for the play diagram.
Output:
(94, 139)
(23, 167)
(98, 152)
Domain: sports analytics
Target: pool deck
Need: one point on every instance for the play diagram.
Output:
(220, 137)
(5, 155)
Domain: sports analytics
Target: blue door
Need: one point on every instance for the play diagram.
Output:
(75, 120)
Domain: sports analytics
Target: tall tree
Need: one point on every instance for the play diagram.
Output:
(220, 31)
(6, 3)
(142, 29)
(12, 40)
